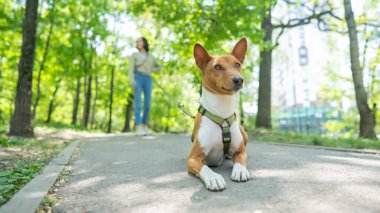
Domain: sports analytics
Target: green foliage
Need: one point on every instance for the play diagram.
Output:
(59, 126)
(84, 42)
(13, 141)
(208, 22)
(32, 156)
(173, 27)
(49, 201)
(11, 181)
(295, 138)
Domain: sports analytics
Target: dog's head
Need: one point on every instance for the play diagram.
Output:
(222, 75)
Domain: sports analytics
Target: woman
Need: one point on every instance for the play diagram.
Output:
(141, 66)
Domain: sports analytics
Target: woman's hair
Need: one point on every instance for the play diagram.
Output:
(146, 45)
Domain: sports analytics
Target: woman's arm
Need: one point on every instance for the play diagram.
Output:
(131, 71)
(156, 66)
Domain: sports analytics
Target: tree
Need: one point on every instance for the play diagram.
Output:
(263, 118)
(367, 123)
(1, 88)
(47, 45)
(76, 102)
(128, 113)
(52, 99)
(22, 120)
(109, 128)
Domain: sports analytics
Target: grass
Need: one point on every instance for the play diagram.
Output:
(60, 126)
(28, 158)
(13, 180)
(296, 138)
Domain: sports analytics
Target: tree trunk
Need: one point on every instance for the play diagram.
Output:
(263, 118)
(241, 109)
(22, 121)
(47, 45)
(76, 102)
(87, 103)
(109, 129)
(1, 87)
(367, 123)
(94, 104)
(88, 93)
(51, 104)
(372, 87)
(128, 113)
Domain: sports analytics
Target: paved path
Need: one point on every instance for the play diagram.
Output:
(131, 174)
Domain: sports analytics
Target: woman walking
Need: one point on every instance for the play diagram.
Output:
(141, 66)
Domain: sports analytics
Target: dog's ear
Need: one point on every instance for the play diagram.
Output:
(240, 49)
(201, 56)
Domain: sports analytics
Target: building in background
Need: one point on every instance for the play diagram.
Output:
(298, 71)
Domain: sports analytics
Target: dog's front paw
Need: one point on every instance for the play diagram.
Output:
(213, 181)
(239, 173)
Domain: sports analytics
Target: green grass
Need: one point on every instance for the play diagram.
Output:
(296, 138)
(60, 126)
(32, 156)
(11, 181)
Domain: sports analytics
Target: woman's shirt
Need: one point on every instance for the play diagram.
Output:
(143, 63)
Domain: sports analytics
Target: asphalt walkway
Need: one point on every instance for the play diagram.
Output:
(148, 174)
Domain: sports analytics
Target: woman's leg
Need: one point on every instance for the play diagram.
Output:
(138, 91)
(147, 98)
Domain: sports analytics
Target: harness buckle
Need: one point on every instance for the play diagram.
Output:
(226, 134)
(226, 137)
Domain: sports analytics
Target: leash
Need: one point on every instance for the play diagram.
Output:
(226, 132)
(180, 105)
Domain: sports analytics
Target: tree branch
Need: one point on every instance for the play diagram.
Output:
(306, 20)
(278, 36)
(291, 23)
(298, 3)
(371, 24)
(320, 28)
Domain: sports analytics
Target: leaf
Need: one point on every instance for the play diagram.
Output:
(6, 173)
(7, 187)
(20, 164)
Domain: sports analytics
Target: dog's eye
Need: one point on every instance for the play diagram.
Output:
(218, 67)
(237, 65)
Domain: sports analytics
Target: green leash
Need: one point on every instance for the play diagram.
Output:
(226, 133)
(180, 105)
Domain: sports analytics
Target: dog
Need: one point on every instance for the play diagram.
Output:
(216, 133)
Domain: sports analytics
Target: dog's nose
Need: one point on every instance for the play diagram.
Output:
(237, 80)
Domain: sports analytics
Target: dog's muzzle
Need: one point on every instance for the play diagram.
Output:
(237, 82)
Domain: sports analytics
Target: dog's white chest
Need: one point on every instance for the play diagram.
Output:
(210, 139)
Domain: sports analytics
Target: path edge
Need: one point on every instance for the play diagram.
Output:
(29, 197)
(360, 151)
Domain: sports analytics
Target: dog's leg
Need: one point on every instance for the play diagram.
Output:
(239, 170)
(244, 134)
(212, 180)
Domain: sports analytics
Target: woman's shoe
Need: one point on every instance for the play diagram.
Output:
(140, 130)
(147, 130)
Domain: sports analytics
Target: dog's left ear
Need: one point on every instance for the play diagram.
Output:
(201, 56)
(240, 49)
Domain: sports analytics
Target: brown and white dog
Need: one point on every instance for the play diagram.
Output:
(221, 80)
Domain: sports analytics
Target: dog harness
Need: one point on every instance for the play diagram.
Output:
(226, 133)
